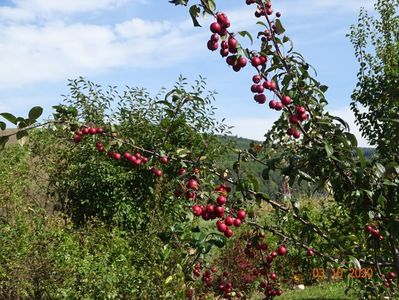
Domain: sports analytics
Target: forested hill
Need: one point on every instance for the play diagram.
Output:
(244, 143)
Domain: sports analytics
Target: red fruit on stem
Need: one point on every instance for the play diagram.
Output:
(222, 227)
(232, 42)
(127, 155)
(215, 37)
(197, 210)
(272, 85)
(228, 233)
(286, 100)
(279, 106)
(237, 222)
(164, 160)
(260, 98)
(256, 78)
(100, 131)
(85, 130)
(262, 59)
(274, 254)
(300, 109)
(231, 60)
(236, 68)
(181, 171)
(191, 195)
(294, 119)
(241, 214)
(272, 104)
(224, 52)
(192, 184)
(296, 134)
(77, 138)
(229, 221)
(242, 62)
(255, 61)
(221, 200)
(273, 276)
(278, 14)
(92, 131)
(158, 172)
(219, 211)
(215, 27)
(209, 208)
(281, 250)
(303, 117)
(212, 45)
(310, 252)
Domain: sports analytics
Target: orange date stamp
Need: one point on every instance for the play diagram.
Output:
(341, 273)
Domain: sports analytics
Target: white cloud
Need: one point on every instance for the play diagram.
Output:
(43, 7)
(33, 53)
(138, 28)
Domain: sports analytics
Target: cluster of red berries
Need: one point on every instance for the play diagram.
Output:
(77, 138)
(213, 211)
(374, 232)
(225, 287)
(388, 278)
(137, 159)
(262, 10)
(223, 284)
(228, 45)
(269, 290)
(267, 286)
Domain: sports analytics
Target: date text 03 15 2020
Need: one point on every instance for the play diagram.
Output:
(339, 273)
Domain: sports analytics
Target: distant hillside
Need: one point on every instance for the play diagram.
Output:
(244, 143)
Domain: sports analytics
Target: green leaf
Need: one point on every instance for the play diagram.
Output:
(329, 149)
(380, 169)
(265, 174)
(3, 141)
(218, 240)
(9, 117)
(279, 27)
(194, 13)
(305, 176)
(179, 2)
(246, 33)
(182, 152)
(362, 158)
(169, 279)
(3, 125)
(352, 138)
(35, 113)
(208, 5)
(354, 262)
(255, 182)
(323, 88)
(261, 23)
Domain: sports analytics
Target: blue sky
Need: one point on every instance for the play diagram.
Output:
(149, 43)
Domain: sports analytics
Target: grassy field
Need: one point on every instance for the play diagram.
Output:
(332, 291)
